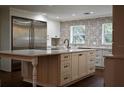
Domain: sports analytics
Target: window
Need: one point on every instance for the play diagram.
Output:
(107, 33)
(77, 34)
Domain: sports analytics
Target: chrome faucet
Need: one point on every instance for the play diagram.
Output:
(67, 43)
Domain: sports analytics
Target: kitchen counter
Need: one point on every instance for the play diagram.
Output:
(33, 52)
(95, 47)
(53, 67)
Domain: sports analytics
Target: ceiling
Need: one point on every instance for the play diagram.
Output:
(69, 12)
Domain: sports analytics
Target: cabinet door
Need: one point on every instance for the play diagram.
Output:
(53, 29)
(82, 64)
(74, 66)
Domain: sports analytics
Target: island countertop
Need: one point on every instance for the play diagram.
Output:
(34, 52)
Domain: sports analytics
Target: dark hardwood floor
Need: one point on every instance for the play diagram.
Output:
(94, 81)
(14, 80)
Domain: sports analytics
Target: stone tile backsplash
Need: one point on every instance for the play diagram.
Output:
(93, 30)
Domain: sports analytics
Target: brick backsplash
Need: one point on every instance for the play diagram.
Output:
(93, 30)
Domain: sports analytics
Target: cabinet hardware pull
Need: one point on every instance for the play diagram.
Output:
(91, 53)
(80, 54)
(65, 56)
(66, 66)
(65, 78)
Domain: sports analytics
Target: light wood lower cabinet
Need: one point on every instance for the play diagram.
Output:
(79, 65)
(74, 66)
(82, 64)
(59, 70)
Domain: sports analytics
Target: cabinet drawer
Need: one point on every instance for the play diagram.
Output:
(92, 55)
(99, 55)
(92, 62)
(91, 69)
(98, 62)
(66, 66)
(65, 78)
(105, 52)
(65, 56)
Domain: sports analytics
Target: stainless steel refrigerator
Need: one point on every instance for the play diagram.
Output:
(27, 34)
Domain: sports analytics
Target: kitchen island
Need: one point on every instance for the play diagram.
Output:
(54, 67)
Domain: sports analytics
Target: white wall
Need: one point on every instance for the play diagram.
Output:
(5, 29)
(53, 30)
(5, 37)
(27, 14)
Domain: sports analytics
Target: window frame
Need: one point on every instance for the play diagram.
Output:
(103, 35)
(71, 33)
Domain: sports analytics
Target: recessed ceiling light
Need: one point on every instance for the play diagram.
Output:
(88, 13)
(57, 17)
(73, 14)
(91, 12)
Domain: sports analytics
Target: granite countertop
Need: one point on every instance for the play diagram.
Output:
(33, 52)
